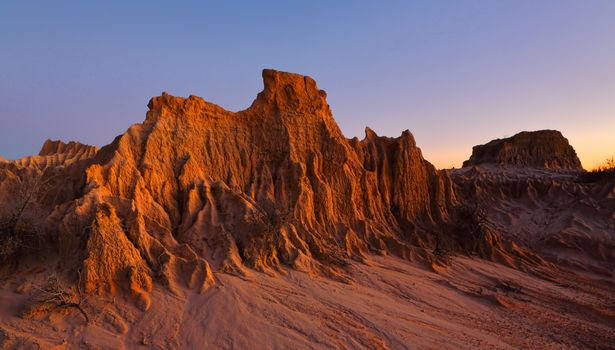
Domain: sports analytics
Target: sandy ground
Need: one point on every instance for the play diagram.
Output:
(391, 304)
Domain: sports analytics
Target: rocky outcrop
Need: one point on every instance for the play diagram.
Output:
(534, 198)
(113, 262)
(40, 182)
(550, 213)
(196, 189)
(275, 184)
(195, 192)
(71, 150)
(55, 154)
(543, 149)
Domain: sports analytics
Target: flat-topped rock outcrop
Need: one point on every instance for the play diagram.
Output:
(543, 149)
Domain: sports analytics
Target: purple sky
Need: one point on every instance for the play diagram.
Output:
(456, 73)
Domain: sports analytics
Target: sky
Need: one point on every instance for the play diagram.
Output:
(455, 73)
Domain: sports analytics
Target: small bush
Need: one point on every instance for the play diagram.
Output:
(17, 236)
(18, 233)
(603, 172)
(55, 296)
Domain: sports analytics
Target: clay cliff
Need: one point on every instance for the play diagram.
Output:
(195, 189)
(543, 149)
(32, 186)
(274, 184)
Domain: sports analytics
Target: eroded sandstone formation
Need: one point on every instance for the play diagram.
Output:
(543, 149)
(536, 199)
(549, 212)
(275, 184)
(196, 193)
(196, 189)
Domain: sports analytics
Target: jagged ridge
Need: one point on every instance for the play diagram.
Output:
(196, 189)
(275, 184)
(55, 154)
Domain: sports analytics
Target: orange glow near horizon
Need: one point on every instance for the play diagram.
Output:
(593, 149)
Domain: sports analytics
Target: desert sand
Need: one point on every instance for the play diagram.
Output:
(390, 304)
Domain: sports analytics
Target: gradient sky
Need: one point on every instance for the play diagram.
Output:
(456, 73)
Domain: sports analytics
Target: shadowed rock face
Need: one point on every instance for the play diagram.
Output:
(53, 177)
(542, 149)
(196, 188)
(529, 200)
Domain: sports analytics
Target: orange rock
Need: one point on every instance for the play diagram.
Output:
(112, 261)
(543, 148)
(196, 189)
(267, 185)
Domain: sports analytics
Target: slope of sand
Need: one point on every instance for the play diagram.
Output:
(549, 212)
(391, 304)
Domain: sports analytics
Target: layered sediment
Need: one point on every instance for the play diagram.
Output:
(542, 149)
(195, 189)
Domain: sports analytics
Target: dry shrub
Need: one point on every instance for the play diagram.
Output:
(18, 236)
(603, 172)
(18, 233)
(55, 296)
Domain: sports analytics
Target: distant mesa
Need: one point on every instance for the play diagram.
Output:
(540, 149)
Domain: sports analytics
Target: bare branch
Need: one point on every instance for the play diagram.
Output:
(58, 296)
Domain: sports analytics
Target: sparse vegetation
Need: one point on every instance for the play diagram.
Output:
(473, 228)
(273, 219)
(605, 171)
(17, 232)
(332, 255)
(16, 236)
(54, 295)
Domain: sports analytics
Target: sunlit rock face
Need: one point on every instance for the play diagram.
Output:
(196, 189)
(543, 149)
(277, 183)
